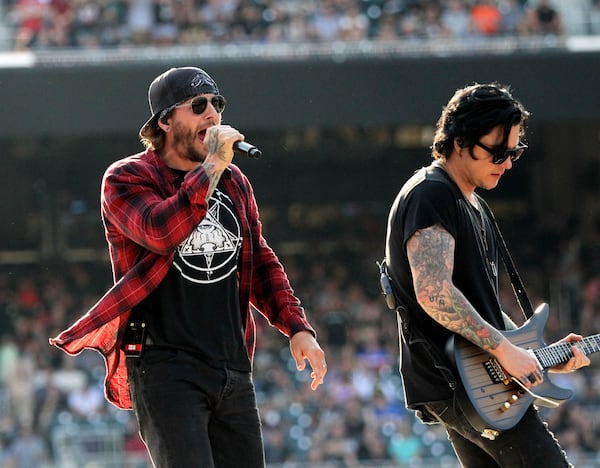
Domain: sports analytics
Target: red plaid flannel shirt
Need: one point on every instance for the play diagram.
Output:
(145, 218)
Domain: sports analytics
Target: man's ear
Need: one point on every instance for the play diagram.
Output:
(164, 123)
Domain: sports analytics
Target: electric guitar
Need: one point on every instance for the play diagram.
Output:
(493, 401)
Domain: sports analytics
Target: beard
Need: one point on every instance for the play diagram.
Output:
(185, 144)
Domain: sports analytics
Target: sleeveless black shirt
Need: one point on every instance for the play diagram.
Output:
(431, 197)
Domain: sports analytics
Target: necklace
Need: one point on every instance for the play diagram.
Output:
(479, 210)
(482, 218)
(478, 218)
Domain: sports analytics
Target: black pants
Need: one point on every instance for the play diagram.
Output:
(526, 445)
(192, 415)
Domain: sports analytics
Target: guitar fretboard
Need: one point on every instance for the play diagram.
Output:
(552, 355)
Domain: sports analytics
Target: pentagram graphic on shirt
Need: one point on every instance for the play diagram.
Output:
(210, 253)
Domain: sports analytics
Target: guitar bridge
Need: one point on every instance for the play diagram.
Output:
(495, 371)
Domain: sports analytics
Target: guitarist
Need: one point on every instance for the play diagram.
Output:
(443, 262)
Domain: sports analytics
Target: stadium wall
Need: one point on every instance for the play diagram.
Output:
(269, 95)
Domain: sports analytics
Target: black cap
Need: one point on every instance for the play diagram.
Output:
(175, 86)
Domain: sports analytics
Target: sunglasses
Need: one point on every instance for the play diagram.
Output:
(199, 104)
(499, 155)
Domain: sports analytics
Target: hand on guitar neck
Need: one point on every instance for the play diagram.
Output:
(579, 358)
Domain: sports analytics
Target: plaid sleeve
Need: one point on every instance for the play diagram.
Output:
(271, 292)
(138, 202)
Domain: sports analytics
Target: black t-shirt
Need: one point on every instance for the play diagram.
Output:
(196, 307)
(430, 197)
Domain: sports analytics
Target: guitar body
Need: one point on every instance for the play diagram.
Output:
(492, 402)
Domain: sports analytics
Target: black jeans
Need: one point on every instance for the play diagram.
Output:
(528, 444)
(193, 415)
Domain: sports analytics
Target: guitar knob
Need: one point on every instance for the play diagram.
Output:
(507, 404)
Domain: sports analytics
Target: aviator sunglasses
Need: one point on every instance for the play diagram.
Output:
(499, 155)
(199, 104)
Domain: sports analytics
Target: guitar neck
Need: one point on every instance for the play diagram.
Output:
(555, 354)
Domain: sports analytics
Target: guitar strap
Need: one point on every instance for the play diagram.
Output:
(515, 279)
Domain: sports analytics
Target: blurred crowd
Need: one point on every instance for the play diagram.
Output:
(46, 24)
(53, 413)
(52, 410)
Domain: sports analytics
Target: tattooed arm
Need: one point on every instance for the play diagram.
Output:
(431, 255)
(214, 175)
(219, 142)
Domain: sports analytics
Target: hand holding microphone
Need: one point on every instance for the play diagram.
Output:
(217, 137)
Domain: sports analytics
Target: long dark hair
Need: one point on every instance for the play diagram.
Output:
(474, 111)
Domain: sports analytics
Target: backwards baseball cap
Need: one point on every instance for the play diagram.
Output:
(173, 87)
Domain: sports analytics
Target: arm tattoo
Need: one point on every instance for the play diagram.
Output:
(214, 175)
(431, 256)
(214, 146)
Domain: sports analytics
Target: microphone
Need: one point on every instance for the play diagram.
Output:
(246, 148)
